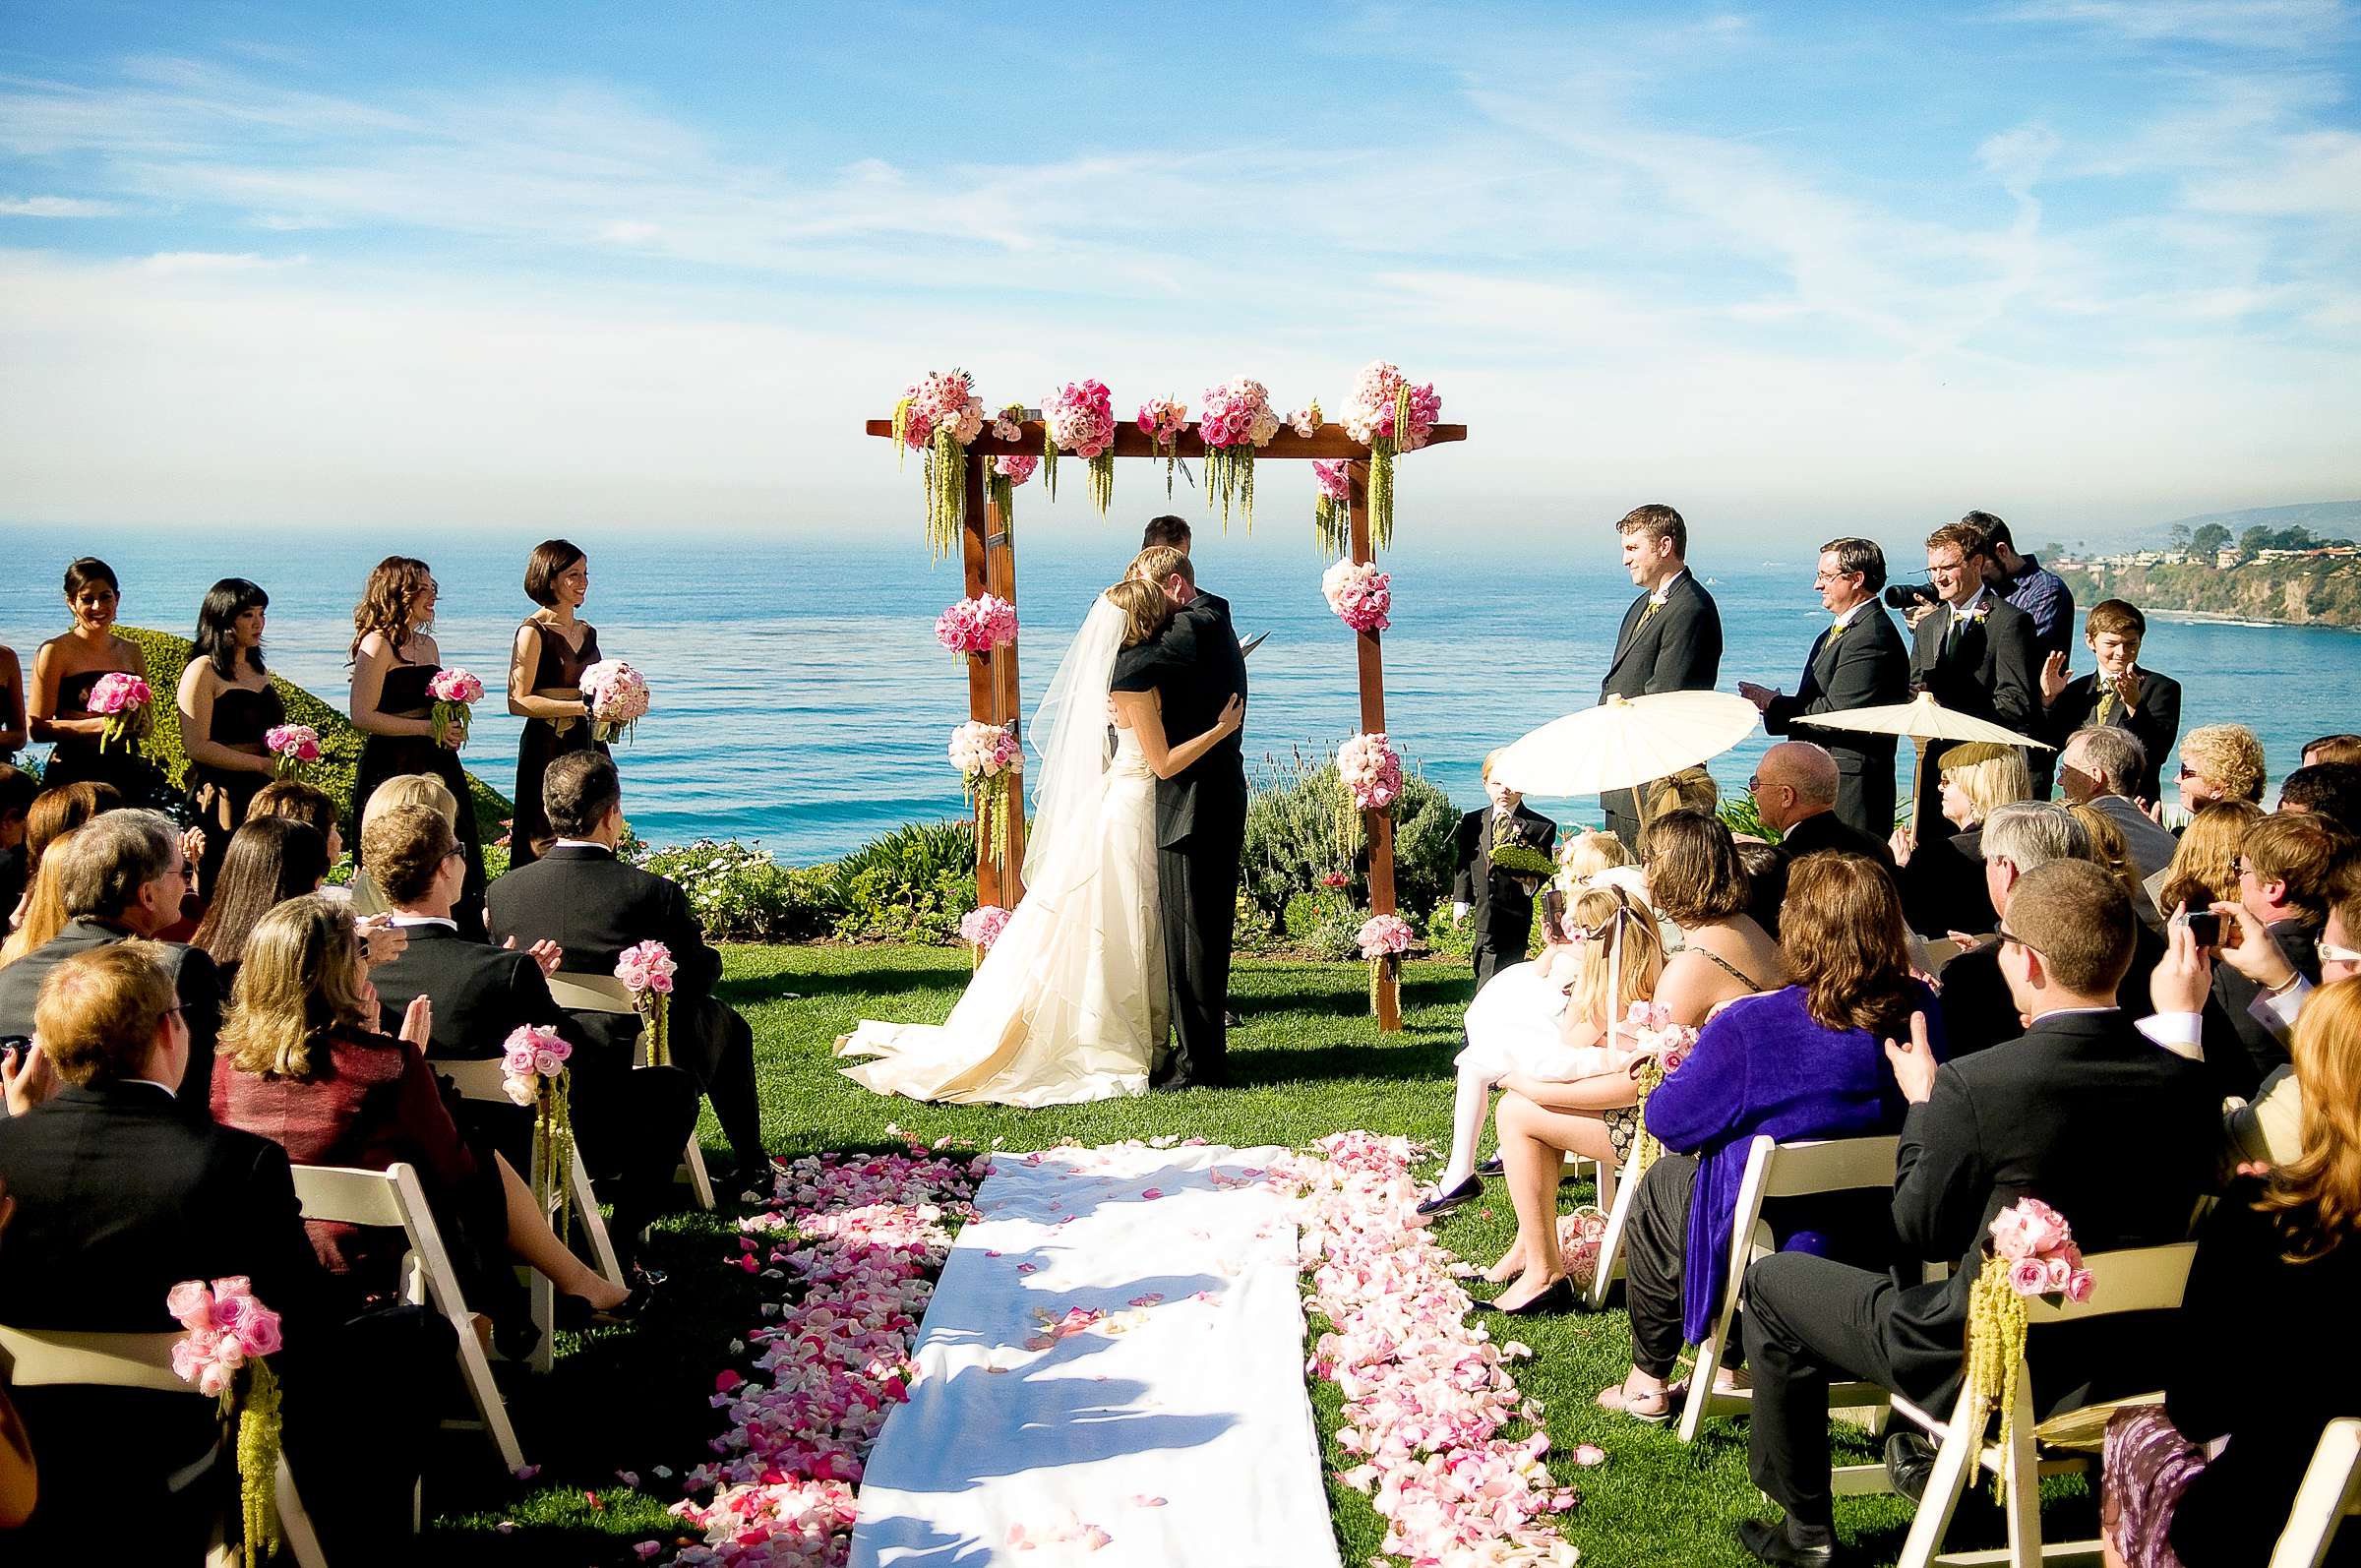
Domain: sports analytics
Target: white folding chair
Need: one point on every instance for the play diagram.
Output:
(1614, 1196)
(480, 1080)
(1780, 1171)
(391, 1200)
(606, 993)
(2134, 1280)
(2331, 1490)
(57, 1358)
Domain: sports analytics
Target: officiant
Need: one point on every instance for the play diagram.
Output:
(1499, 896)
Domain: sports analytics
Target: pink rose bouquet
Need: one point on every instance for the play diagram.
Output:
(1009, 423)
(1383, 939)
(1237, 418)
(293, 748)
(646, 969)
(939, 414)
(1306, 422)
(1373, 771)
(228, 1336)
(1359, 594)
(984, 754)
(532, 1072)
(1001, 479)
(2029, 1252)
(454, 691)
(1164, 419)
(1080, 420)
(981, 927)
(618, 698)
(123, 699)
(1332, 506)
(977, 626)
(1391, 416)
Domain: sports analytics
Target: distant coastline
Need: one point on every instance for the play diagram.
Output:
(2319, 587)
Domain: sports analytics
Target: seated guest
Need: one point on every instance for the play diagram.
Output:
(268, 860)
(2285, 864)
(1766, 883)
(2331, 748)
(2326, 789)
(2117, 695)
(307, 804)
(1584, 1105)
(1805, 1061)
(1942, 881)
(402, 789)
(301, 1063)
(1795, 789)
(2207, 1476)
(17, 792)
(593, 906)
(2204, 871)
(2081, 1112)
(122, 876)
(1697, 882)
(122, 1193)
(52, 815)
(20, 1475)
(1501, 901)
(2220, 762)
(2109, 853)
(2097, 768)
(41, 913)
(1596, 859)
(629, 1124)
(1547, 1021)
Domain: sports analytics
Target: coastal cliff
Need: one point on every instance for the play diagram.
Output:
(2304, 589)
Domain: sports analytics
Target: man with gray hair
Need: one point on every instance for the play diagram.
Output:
(2098, 767)
(2018, 839)
(122, 874)
(1795, 789)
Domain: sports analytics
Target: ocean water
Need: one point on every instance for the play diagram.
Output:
(800, 699)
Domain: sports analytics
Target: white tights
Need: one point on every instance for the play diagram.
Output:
(1469, 1104)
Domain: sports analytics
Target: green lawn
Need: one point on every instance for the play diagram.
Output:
(1307, 1061)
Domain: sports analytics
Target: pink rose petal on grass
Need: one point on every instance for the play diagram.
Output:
(1153, 1193)
(1587, 1454)
(1149, 1300)
(1143, 1500)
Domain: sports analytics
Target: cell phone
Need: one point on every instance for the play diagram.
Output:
(1553, 916)
(2204, 928)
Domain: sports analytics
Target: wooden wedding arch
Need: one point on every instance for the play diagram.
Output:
(987, 554)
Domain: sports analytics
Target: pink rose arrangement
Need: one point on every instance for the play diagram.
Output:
(1306, 422)
(646, 969)
(1359, 594)
(1006, 472)
(1647, 1029)
(939, 414)
(1332, 506)
(122, 700)
(2029, 1252)
(1391, 416)
(618, 698)
(1383, 939)
(981, 927)
(1237, 418)
(1079, 421)
(229, 1335)
(455, 692)
(1164, 419)
(1373, 771)
(532, 1072)
(984, 754)
(2034, 1240)
(977, 626)
(293, 749)
(1009, 423)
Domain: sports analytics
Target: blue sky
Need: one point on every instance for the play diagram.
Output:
(2092, 265)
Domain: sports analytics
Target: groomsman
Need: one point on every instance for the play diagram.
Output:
(1972, 649)
(1501, 901)
(1857, 662)
(1670, 640)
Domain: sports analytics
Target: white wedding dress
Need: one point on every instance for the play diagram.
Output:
(1072, 1001)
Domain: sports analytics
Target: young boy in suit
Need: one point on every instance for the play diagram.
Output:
(1501, 900)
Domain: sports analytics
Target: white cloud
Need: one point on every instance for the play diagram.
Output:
(56, 206)
(2279, 24)
(166, 262)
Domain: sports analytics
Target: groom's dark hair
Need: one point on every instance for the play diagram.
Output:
(1166, 532)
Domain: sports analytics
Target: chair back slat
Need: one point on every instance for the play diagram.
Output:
(475, 1080)
(2142, 1279)
(2330, 1490)
(591, 994)
(1833, 1165)
(54, 1357)
(346, 1195)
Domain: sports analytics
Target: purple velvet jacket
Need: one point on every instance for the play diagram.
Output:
(1762, 1065)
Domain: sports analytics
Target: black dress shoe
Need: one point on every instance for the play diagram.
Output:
(1770, 1544)
(516, 1339)
(1443, 1202)
(1557, 1299)
(1910, 1462)
(1492, 1167)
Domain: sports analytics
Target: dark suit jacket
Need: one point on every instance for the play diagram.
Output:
(1825, 830)
(481, 992)
(195, 981)
(1994, 673)
(1678, 649)
(1194, 668)
(1866, 667)
(1979, 1011)
(2155, 719)
(2081, 1112)
(2239, 1049)
(1502, 905)
(594, 905)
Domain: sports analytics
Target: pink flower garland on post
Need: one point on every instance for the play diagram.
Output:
(1080, 420)
(293, 749)
(646, 969)
(229, 1335)
(939, 415)
(1332, 507)
(977, 626)
(1237, 419)
(1359, 594)
(1383, 939)
(123, 698)
(1373, 778)
(1005, 474)
(983, 753)
(532, 1068)
(981, 927)
(454, 691)
(1164, 420)
(1391, 416)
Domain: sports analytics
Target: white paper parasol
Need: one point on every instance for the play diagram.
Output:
(1624, 742)
(1921, 719)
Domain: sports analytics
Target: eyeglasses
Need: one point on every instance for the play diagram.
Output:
(2336, 955)
(2008, 935)
(2240, 866)
(2187, 772)
(455, 852)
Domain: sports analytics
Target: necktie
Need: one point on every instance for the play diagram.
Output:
(1654, 605)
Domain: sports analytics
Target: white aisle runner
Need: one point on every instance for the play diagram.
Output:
(1174, 1429)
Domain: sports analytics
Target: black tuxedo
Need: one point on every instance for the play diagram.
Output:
(1677, 648)
(122, 1194)
(594, 905)
(2239, 1049)
(1979, 1011)
(2155, 719)
(1827, 830)
(1990, 670)
(2081, 1112)
(1502, 904)
(1194, 668)
(195, 981)
(1862, 666)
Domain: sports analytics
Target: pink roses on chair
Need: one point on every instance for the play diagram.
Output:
(646, 969)
(229, 1333)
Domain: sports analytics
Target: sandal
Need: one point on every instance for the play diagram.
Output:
(1621, 1400)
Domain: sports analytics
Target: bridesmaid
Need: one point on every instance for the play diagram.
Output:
(228, 704)
(12, 733)
(553, 646)
(63, 673)
(393, 659)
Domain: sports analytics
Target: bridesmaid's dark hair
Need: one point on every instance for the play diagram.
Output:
(88, 571)
(551, 557)
(395, 584)
(217, 637)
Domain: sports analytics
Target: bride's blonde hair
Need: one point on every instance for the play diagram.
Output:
(1146, 610)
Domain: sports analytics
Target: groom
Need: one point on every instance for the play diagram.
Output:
(1201, 811)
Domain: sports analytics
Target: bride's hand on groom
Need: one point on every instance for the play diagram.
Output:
(1234, 714)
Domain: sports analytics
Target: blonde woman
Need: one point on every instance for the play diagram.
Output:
(2204, 871)
(2220, 762)
(1550, 1025)
(404, 789)
(1943, 877)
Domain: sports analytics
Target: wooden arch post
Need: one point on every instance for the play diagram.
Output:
(988, 559)
(1370, 656)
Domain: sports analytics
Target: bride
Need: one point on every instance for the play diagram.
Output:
(1072, 1003)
